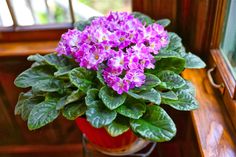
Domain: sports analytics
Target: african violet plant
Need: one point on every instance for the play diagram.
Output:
(117, 71)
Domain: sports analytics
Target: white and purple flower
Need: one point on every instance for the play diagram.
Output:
(120, 42)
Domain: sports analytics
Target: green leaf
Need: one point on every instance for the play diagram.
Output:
(29, 104)
(175, 64)
(185, 102)
(163, 22)
(81, 78)
(170, 80)
(36, 57)
(193, 61)
(34, 75)
(100, 77)
(143, 18)
(63, 63)
(150, 82)
(42, 114)
(74, 110)
(74, 96)
(63, 71)
(48, 85)
(110, 98)
(61, 102)
(26, 102)
(150, 95)
(175, 45)
(99, 115)
(166, 54)
(92, 97)
(118, 126)
(175, 41)
(22, 97)
(80, 25)
(189, 88)
(132, 109)
(170, 95)
(155, 125)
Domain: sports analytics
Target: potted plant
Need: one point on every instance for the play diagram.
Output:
(112, 75)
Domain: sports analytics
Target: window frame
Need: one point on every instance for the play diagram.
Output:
(17, 33)
(222, 72)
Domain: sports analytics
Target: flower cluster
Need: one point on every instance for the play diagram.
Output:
(121, 44)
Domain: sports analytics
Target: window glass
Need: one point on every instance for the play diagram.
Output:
(30, 12)
(228, 44)
(5, 16)
(84, 9)
(34, 12)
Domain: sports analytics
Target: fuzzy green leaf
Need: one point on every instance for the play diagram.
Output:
(32, 76)
(155, 125)
(92, 97)
(74, 110)
(99, 115)
(74, 96)
(40, 78)
(189, 88)
(185, 102)
(163, 22)
(175, 64)
(118, 126)
(22, 97)
(42, 114)
(150, 82)
(81, 78)
(170, 80)
(132, 109)
(170, 95)
(110, 98)
(149, 95)
(143, 18)
(193, 61)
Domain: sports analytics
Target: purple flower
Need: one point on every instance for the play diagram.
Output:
(136, 77)
(119, 42)
(120, 85)
(69, 42)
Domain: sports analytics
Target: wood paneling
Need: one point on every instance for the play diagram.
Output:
(33, 33)
(193, 20)
(158, 9)
(16, 49)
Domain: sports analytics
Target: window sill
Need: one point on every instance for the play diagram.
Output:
(17, 49)
(214, 130)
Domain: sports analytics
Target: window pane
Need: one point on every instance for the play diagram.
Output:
(30, 12)
(5, 16)
(228, 44)
(22, 12)
(84, 9)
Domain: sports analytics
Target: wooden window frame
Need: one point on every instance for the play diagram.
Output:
(16, 33)
(222, 73)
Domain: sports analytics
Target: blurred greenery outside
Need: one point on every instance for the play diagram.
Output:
(62, 14)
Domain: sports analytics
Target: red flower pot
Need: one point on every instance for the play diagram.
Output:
(126, 143)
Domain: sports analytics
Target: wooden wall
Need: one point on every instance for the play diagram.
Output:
(191, 19)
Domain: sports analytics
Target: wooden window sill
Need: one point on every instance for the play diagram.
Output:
(214, 130)
(16, 49)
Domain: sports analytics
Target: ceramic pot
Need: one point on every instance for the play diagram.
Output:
(124, 144)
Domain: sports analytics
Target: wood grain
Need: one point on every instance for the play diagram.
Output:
(223, 74)
(27, 48)
(215, 133)
(33, 33)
